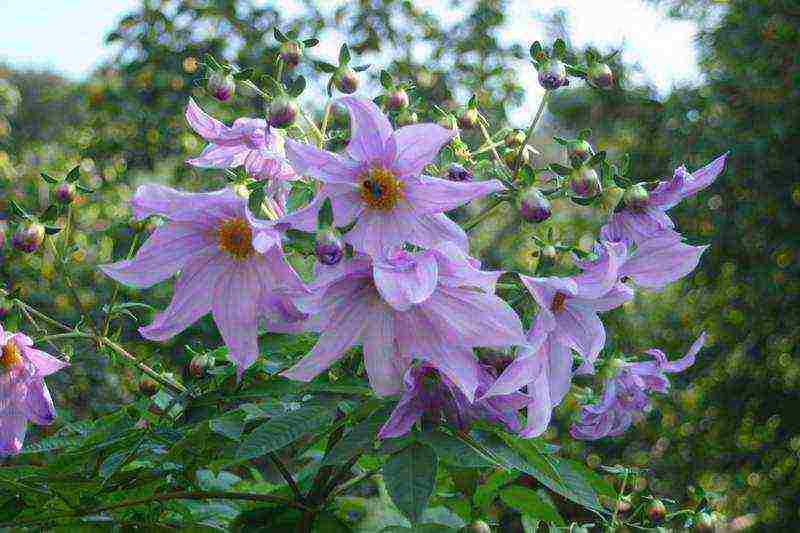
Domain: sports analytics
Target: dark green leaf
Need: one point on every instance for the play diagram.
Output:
(410, 476)
(328, 523)
(74, 174)
(245, 74)
(528, 502)
(81, 188)
(311, 43)
(279, 36)
(255, 200)
(49, 214)
(230, 425)
(488, 490)
(454, 451)
(297, 86)
(625, 164)
(358, 439)
(362, 68)
(325, 215)
(559, 169)
(560, 140)
(48, 178)
(420, 528)
(559, 49)
(325, 67)
(584, 134)
(596, 159)
(585, 201)
(536, 49)
(16, 210)
(386, 80)
(52, 230)
(344, 55)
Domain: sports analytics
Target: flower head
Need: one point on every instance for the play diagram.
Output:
(230, 265)
(432, 394)
(648, 217)
(434, 305)
(249, 142)
(378, 182)
(24, 397)
(625, 396)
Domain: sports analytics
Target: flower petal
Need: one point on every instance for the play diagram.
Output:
(457, 269)
(540, 408)
(325, 166)
(459, 365)
(581, 329)
(153, 199)
(39, 403)
(369, 129)
(599, 276)
(404, 283)
(417, 145)
(407, 412)
(703, 177)
(428, 195)
(661, 259)
(12, 433)
(45, 363)
(214, 130)
(216, 156)
(235, 310)
(385, 367)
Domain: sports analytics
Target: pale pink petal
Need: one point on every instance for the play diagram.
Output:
(559, 370)
(212, 129)
(45, 363)
(617, 296)
(459, 365)
(544, 289)
(523, 370)
(417, 145)
(428, 231)
(39, 403)
(325, 166)
(382, 360)
(402, 419)
(369, 129)
(428, 195)
(581, 329)
(457, 269)
(703, 177)
(661, 260)
(216, 156)
(599, 276)
(153, 199)
(377, 232)
(235, 310)
(12, 433)
(540, 408)
(405, 283)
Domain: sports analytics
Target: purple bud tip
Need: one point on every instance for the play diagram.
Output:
(584, 182)
(221, 86)
(456, 172)
(636, 197)
(290, 53)
(28, 239)
(282, 112)
(330, 248)
(534, 206)
(397, 100)
(579, 152)
(65, 193)
(346, 81)
(553, 74)
(468, 119)
(601, 76)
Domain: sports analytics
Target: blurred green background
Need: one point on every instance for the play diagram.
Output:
(732, 423)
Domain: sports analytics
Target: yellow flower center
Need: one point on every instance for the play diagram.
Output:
(558, 302)
(236, 238)
(10, 356)
(380, 189)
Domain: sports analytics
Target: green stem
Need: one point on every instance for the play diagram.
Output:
(325, 118)
(483, 215)
(529, 133)
(114, 295)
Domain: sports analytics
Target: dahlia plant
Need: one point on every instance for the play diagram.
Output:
(417, 369)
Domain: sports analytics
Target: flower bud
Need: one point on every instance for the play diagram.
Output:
(330, 248)
(515, 139)
(611, 197)
(601, 76)
(28, 238)
(579, 152)
(406, 118)
(65, 193)
(5, 308)
(656, 511)
(282, 112)
(624, 505)
(636, 197)
(199, 365)
(704, 523)
(468, 119)
(549, 253)
(397, 100)
(456, 172)
(534, 206)
(346, 80)
(290, 53)
(478, 526)
(148, 387)
(584, 182)
(553, 74)
(221, 85)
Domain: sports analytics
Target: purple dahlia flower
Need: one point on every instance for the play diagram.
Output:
(229, 264)
(378, 182)
(625, 396)
(432, 394)
(23, 394)
(434, 305)
(639, 223)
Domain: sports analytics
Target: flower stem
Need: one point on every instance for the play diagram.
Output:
(483, 215)
(531, 129)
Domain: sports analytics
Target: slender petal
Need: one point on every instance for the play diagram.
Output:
(325, 166)
(428, 195)
(384, 365)
(370, 130)
(39, 403)
(234, 307)
(153, 199)
(405, 282)
(45, 363)
(416, 146)
(661, 260)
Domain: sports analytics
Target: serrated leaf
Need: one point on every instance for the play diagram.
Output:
(528, 502)
(74, 174)
(279, 36)
(386, 80)
(358, 439)
(48, 178)
(455, 451)
(311, 43)
(280, 431)
(410, 476)
(344, 55)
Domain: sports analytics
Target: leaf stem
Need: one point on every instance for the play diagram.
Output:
(483, 215)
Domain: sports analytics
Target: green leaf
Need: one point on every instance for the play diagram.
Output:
(16, 210)
(82, 188)
(362, 68)
(245, 74)
(386, 80)
(488, 490)
(49, 214)
(410, 476)
(596, 159)
(559, 169)
(530, 503)
(454, 451)
(230, 425)
(279, 36)
(325, 215)
(344, 55)
(296, 86)
(74, 174)
(48, 178)
(325, 67)
(584, 134)
(255, 200)
(625, 164)
(52, 230)
(329, 523)
(358, 439)
(420, 528)
(529, 524)
(280, 431)
(536, 49)
(311, 43)
(473, 102)
(559, 49)
(560, 140)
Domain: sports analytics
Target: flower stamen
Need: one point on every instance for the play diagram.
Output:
(380, 189)
(10, 356)
(236, 238)
(558, 302)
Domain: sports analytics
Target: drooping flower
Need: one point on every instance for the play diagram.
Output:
(432, 394)
(230, 265)
(378, 182)
(639, 223)
(24, 396)
(434, 305)
(249, 142)
(625, 396)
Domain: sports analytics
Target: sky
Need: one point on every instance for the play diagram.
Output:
(67, 35)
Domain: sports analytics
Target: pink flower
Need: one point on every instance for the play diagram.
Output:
(434, 305)
(23, 394)
(249, 142)
(378, 183)
(229, 264)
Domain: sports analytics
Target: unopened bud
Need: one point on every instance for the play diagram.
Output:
(221, 85)
(199, 365)
(601, 76)
(624, 505)
(553, 74)
(534, 206)
(656, 511)
(468, 119)
(28, 238)
(549, 253)
(584, 182)
(704, 523)
(397, 100)
(456, 172)
(515, 138)
(636, 197)
(290, 53)
(65, 193)
(346, 80)
(579, 152)
(329, 248)
(148, 387)
(5, 307)
(478, 526)
(282, 112)
(406, 118)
